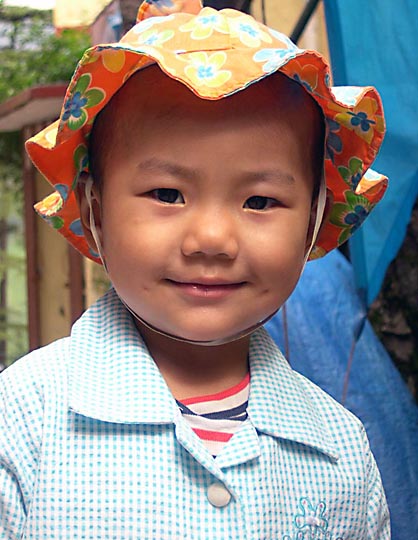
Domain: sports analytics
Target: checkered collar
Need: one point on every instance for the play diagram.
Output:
(113, 378)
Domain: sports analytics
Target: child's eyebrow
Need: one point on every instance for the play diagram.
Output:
(271, 175)
(180, 171)
(173, 169)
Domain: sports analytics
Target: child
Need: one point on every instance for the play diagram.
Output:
(169, 413)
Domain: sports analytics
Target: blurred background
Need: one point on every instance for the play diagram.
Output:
(352, 323)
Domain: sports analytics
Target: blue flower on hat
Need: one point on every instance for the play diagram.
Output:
(206, 69)
(355, 219)
(62, 190)
(273, 58)
(204, 25)
(349, 215)
(305, 84)
(333, 142)
(365, 119)
(208, 19)
(76, 228)
(353, 173)
(94, 253)
(249, 29)
(161, 3)
(74, 106)
(80, 99)
(361, 119)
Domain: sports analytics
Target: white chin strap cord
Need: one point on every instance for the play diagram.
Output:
(318, 221)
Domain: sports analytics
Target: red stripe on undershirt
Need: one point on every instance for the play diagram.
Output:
(220, 395)
(213, 435)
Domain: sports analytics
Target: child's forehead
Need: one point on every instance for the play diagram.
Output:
(154, 116)
(150, 91)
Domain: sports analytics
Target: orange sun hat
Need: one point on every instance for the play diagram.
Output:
(215, 54)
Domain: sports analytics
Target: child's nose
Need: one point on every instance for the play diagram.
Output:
(212, 233)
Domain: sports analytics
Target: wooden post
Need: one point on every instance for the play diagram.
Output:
(29, 189)
(3, 289)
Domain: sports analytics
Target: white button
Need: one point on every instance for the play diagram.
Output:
(218, 495)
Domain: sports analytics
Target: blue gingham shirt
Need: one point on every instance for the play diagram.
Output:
(94, 447)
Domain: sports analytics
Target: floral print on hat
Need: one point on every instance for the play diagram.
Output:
(81, 98)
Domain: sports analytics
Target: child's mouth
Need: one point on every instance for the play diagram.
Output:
(207, 290)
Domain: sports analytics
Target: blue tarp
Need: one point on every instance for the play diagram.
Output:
(375, 42)
(322, 313)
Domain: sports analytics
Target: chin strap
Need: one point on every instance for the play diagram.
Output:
(234, 337)
(320, 210)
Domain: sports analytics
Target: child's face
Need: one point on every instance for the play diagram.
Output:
(206, 206)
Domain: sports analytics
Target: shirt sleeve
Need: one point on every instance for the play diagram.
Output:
(12, 514)
(378, 522)
(17, 452)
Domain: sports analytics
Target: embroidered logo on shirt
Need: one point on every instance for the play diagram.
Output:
(311, 522)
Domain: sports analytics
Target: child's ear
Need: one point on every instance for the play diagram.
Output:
(89, 200)
(312, 219)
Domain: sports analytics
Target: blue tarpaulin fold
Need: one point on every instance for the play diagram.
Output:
(322, 314)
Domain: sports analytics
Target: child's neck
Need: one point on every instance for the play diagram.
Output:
(195, 370)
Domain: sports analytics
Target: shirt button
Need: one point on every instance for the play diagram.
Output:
(218, 495)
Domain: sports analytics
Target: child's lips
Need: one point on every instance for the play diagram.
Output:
(207, 288)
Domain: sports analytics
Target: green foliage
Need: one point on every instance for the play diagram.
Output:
(34, 53)
(53, 60)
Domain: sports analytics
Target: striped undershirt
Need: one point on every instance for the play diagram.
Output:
(215, 418)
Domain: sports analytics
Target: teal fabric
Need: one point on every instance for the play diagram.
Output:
(375, 43)
(93, 447)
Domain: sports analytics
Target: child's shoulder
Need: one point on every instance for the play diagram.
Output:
(346, 430)
(35, 374)
(33, 396)
(324, 402)
(49, 365)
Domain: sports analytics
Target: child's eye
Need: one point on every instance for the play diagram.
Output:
(168, 195)
(260, 203)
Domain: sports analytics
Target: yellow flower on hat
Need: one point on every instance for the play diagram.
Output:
(113, 60)
(248, 31)
(203, 26)
(155, 37)
(50, 134)
(204, 69)
(363, 119)
(50, 205)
